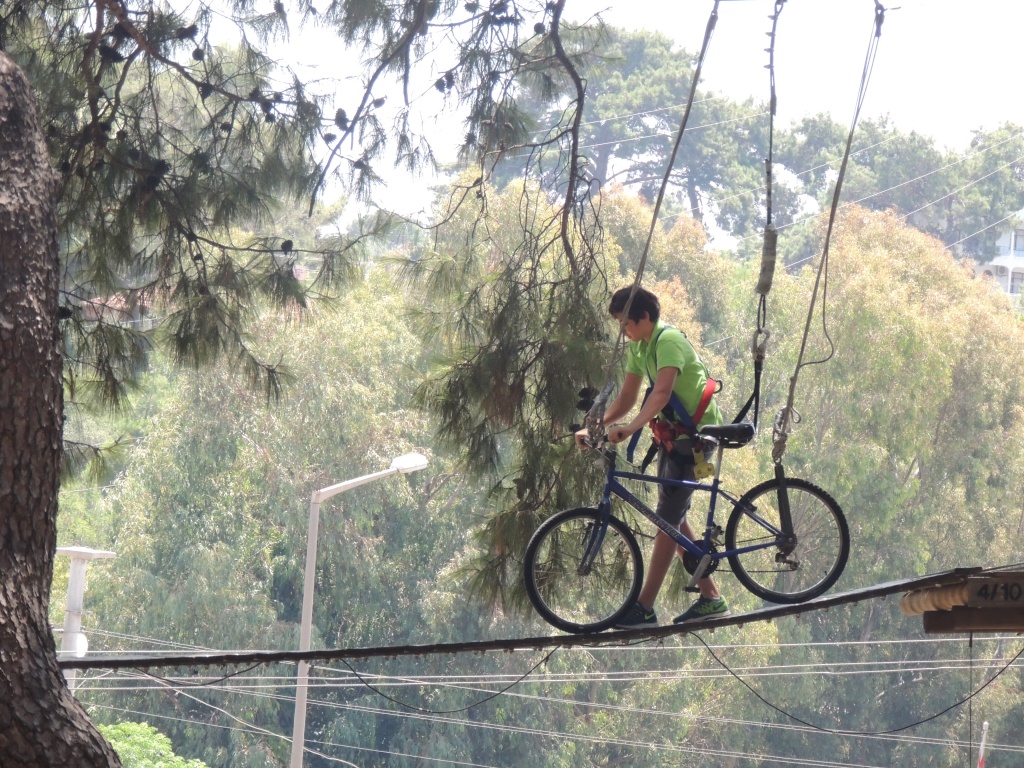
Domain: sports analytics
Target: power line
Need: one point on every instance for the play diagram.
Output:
(576, 703)
(771, 613)
(666, 648)
(911, 181)
(710, 720)
(841, 731)
(661, 677)
(822, 669)
(993, 224)
(669, 135)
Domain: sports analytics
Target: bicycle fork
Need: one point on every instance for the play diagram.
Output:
(787, 542)
(595, 538)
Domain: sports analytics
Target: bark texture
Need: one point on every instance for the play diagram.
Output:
(41, 723)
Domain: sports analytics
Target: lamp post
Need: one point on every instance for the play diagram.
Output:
(409, 462)
(69, 641)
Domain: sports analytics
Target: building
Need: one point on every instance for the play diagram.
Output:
(1007, 267)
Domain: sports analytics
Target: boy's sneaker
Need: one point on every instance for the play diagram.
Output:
(704, 608)
(637, 616)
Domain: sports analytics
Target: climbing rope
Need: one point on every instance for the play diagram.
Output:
(788, 415)
(596, 412)
(768, 250)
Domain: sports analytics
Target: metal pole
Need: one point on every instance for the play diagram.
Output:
(411, 462)
(305, 631)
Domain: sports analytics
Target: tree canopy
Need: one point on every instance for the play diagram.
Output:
(181, 152)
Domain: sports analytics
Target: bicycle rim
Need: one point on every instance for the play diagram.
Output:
(823, 542)
(582, 602)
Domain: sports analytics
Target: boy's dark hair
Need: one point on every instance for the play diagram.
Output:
(643, 302)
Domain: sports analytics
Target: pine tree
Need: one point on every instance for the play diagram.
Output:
(166, 148)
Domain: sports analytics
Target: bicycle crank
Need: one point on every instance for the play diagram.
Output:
(691, 562)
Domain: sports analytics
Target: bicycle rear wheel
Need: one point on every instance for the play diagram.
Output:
(576, 599)
(822, 542)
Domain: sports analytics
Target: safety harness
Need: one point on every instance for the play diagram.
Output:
(675, 421)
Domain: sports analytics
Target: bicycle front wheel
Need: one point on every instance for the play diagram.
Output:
(567, 592)
(822, 542)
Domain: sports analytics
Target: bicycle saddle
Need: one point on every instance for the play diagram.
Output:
(729, 435)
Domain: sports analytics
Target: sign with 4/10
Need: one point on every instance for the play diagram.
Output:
(991, 591)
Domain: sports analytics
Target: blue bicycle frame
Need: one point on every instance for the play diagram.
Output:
(705, 554)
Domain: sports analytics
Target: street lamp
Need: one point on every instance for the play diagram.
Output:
(72, 642)
(409, 462)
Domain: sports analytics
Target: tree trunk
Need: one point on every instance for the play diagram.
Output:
(693, 198)
(41, 723)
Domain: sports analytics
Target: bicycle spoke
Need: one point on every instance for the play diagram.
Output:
(569, 596)
(816, 560)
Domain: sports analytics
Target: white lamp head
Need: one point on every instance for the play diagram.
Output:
(409, 462)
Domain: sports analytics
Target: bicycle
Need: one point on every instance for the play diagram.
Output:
(786, 540)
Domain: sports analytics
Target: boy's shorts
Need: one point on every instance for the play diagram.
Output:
(674, 502)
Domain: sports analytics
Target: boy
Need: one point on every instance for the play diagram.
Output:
(661, 354)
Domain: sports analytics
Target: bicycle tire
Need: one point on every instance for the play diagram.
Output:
(574, 602)
(822, 549)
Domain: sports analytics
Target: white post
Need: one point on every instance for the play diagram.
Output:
(410, 462)
(69, 642)
(981, 749)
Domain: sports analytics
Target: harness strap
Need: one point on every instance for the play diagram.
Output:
(666, 430)
(710, 387)
(675, 418)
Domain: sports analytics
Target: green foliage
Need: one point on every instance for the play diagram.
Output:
(209, 522)
(914, 426)
(140, 745)
(952, 195)
(171, 146)
(637, 88)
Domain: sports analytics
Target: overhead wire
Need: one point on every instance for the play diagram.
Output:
(911, 181)
(697, 718)
(641, 113)
(711, 720)
(669, 135)
(978, 232)
(721, 721)
(393, 681)
(359, 679)
(466, 708)
(759, 189)
(788, 415)
(636, 711)
(234, 690)
(958, 189)
(658, 747)
(843, 731)
(732, 672)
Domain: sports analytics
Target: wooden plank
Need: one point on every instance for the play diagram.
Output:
(1003, 589)
(962, 619)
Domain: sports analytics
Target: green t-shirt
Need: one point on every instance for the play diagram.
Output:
(669, 348)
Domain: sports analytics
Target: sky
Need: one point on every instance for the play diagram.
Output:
(944, 67)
